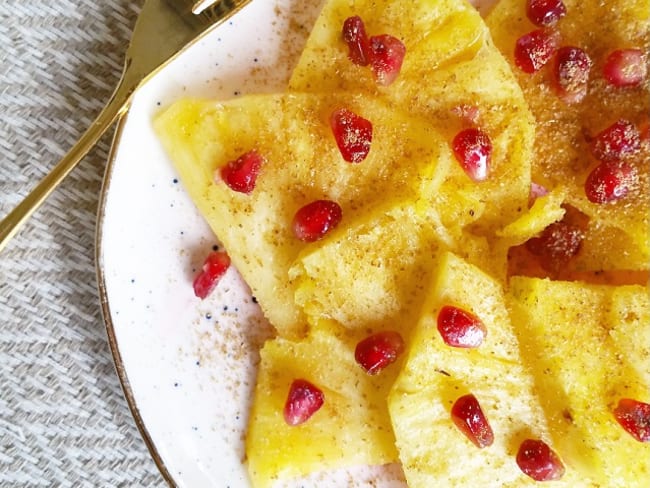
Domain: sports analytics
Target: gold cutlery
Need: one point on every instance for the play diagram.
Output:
(162, 30)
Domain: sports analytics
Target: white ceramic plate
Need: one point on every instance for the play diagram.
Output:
(188, 366)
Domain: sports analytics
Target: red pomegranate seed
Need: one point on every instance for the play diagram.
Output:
(557, 244)
(470, 419)
(354, 34)
(625, 67)
(634, 417)
(386, 57)
(241, 174)
(535, 49)
(620, 139)
(214, 267)
(378, 351)
(460, 328)
(571, 73)
(353, 134)
(303, 401)
(536, 459)
(473, 150)
(545, 12)
(610, 181)
(316, 219)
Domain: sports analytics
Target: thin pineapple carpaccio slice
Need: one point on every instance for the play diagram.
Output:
(580, 372)
(630, 327)
(351, 428)
(543, 212)
(450, 62)
(591, 264)
(302, 164)
(432, 449)
(372, 273)
(619, 233)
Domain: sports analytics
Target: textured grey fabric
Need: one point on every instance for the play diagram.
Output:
(63, 418)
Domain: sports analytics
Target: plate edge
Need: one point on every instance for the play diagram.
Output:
(106, 313)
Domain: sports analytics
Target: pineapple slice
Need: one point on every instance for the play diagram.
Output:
(544, 211)
(507, 250)
(372, 273)
(580, 374)
(351, 428)
(432, 449)
(450, 63)
(618, 234)
(630, 327)
(303, 164)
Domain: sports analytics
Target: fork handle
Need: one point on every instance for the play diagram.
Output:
(10, 224)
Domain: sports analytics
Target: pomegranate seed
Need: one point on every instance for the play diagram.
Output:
(353, 134)
(316, 219)
(609, 181)
(378, 351)
(214, 267)
(571, 73)
(460, 328)
(625, 67)
(545, 12)
(354, 34)
(241, 174)
(535, 49)
(303, 401)
(634, 417)
(557, 244)
(386, 57)
(536, 459)
(473, 150)
(470, 419)
(620, 139)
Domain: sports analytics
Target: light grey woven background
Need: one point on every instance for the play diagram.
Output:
(63, 418)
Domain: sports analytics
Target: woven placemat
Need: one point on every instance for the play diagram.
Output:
(63, 418)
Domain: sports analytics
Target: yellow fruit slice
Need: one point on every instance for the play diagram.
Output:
(508, 246)
(372, 274)
(580, 373)
(629, 320)
(351, 428)
(450, 62)
(432, 449)
(302, 164)
(619, 233)
(544, 211)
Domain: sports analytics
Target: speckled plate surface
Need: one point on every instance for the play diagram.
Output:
(188, 366)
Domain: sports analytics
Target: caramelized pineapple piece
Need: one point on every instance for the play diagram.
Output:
(450, 65)
(432, 449)
(630, 327)
(372, 273)
(302, 163)
(368, 274)
(545, 210)
(351, 428)
(580, 373)
(618, 237)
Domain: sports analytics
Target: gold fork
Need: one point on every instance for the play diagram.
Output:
(162, 29)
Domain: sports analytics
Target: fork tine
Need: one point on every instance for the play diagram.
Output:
(203, 12)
